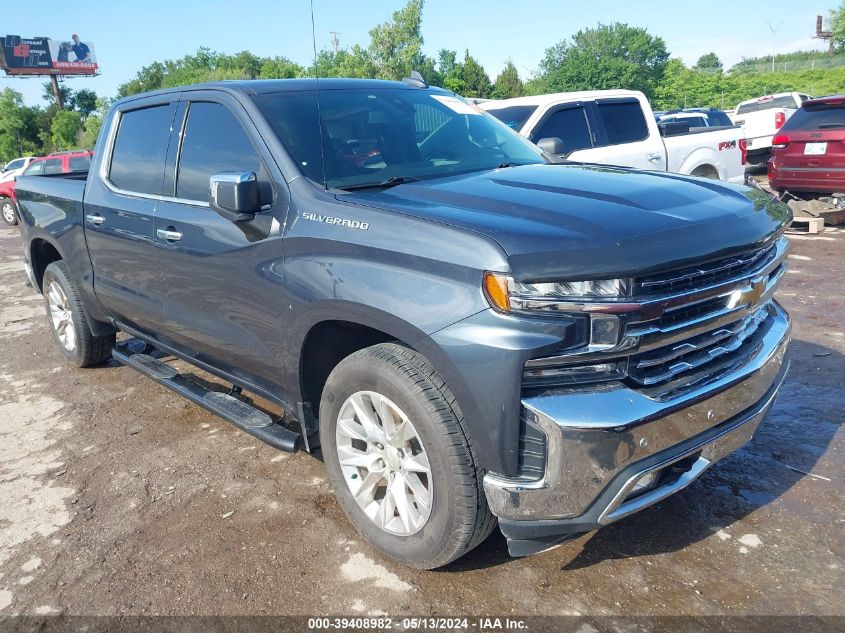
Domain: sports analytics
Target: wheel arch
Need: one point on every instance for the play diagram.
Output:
(42, 253)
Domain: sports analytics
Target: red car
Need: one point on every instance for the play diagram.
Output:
(808, 153)
(73, 161)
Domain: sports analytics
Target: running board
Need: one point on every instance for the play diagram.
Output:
(244, 416)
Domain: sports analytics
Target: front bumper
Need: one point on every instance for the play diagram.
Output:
(600, 443)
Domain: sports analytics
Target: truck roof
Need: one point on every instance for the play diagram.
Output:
(542, 100)
(262, 86)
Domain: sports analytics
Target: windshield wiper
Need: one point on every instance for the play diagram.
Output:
(829, 126)
(390, 182)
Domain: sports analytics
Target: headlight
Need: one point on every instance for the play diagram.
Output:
(557, 298)
(506, 295)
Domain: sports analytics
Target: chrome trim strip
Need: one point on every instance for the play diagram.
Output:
(738, 262)
(618, 508)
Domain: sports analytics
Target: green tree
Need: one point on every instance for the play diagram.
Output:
(451, 71)
(65, 129)
(508, 84)
(396, 45)
(93, 123)
(65, 91)
(709, 62)
(355, 63)
(837, 27)
(476, 80)
(279, 68)
(12, 125)
(84, 101)
(608, 56)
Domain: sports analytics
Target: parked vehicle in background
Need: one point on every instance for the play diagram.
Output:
(762, 117)
(696, 117)
(15, 168)
(71, 161)
(617, 127)
(467, 329)
(808, 153)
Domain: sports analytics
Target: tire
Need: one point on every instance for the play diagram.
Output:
(9, 211)
(458, 518)
(68, 322)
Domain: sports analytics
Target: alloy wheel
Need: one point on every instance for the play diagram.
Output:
(384, 463)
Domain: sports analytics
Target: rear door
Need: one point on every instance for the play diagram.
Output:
(120, 204)
(223, 303)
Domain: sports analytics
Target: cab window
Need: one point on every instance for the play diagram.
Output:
(214, 142)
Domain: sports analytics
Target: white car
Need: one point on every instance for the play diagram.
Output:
(762, 117)
(15, 167)
(617, 127)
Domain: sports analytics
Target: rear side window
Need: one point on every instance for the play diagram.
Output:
(569, 125)
(214, 142)
(52, 166)
(514, 116)
(79, 163)
(624, 121)
(817, 117)
(15, 164)
(137, 162)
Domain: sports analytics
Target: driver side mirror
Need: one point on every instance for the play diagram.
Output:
(552, 145)
(235, 196)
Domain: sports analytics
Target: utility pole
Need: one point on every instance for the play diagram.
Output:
(56, 92)
(774, 29)
(335, 40)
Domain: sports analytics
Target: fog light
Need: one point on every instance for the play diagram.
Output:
(573, 374)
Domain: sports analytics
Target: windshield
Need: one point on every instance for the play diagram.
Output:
(372, 136)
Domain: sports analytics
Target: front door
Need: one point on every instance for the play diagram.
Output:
(223, 300)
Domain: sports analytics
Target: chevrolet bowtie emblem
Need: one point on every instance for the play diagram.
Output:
(750, 294)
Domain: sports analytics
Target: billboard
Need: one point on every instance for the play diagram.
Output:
(44, 56)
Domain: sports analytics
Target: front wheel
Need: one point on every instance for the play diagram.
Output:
(400, 464)
(67, 319)
(8, 211)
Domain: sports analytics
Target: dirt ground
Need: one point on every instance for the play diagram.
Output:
(117, 496)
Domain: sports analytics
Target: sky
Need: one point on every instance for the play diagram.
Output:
(128, 36)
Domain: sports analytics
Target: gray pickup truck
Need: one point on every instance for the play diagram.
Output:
(467, 331)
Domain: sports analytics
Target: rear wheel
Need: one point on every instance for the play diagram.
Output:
(400, 464)
(8, 211)
(68, 322)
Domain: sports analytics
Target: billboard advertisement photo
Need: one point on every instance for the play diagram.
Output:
(45, 56)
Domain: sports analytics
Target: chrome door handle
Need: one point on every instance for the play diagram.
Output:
(96, 220)
(170, 236)
(654, 157)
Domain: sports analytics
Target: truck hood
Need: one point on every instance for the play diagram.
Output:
(591, 221)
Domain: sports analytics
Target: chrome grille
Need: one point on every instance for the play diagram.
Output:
(666, 363)
(704, 274)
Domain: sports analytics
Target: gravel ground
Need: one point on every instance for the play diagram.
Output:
(118, 497)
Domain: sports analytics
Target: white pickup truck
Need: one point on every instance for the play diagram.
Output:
(762, 117)
(617, 127)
